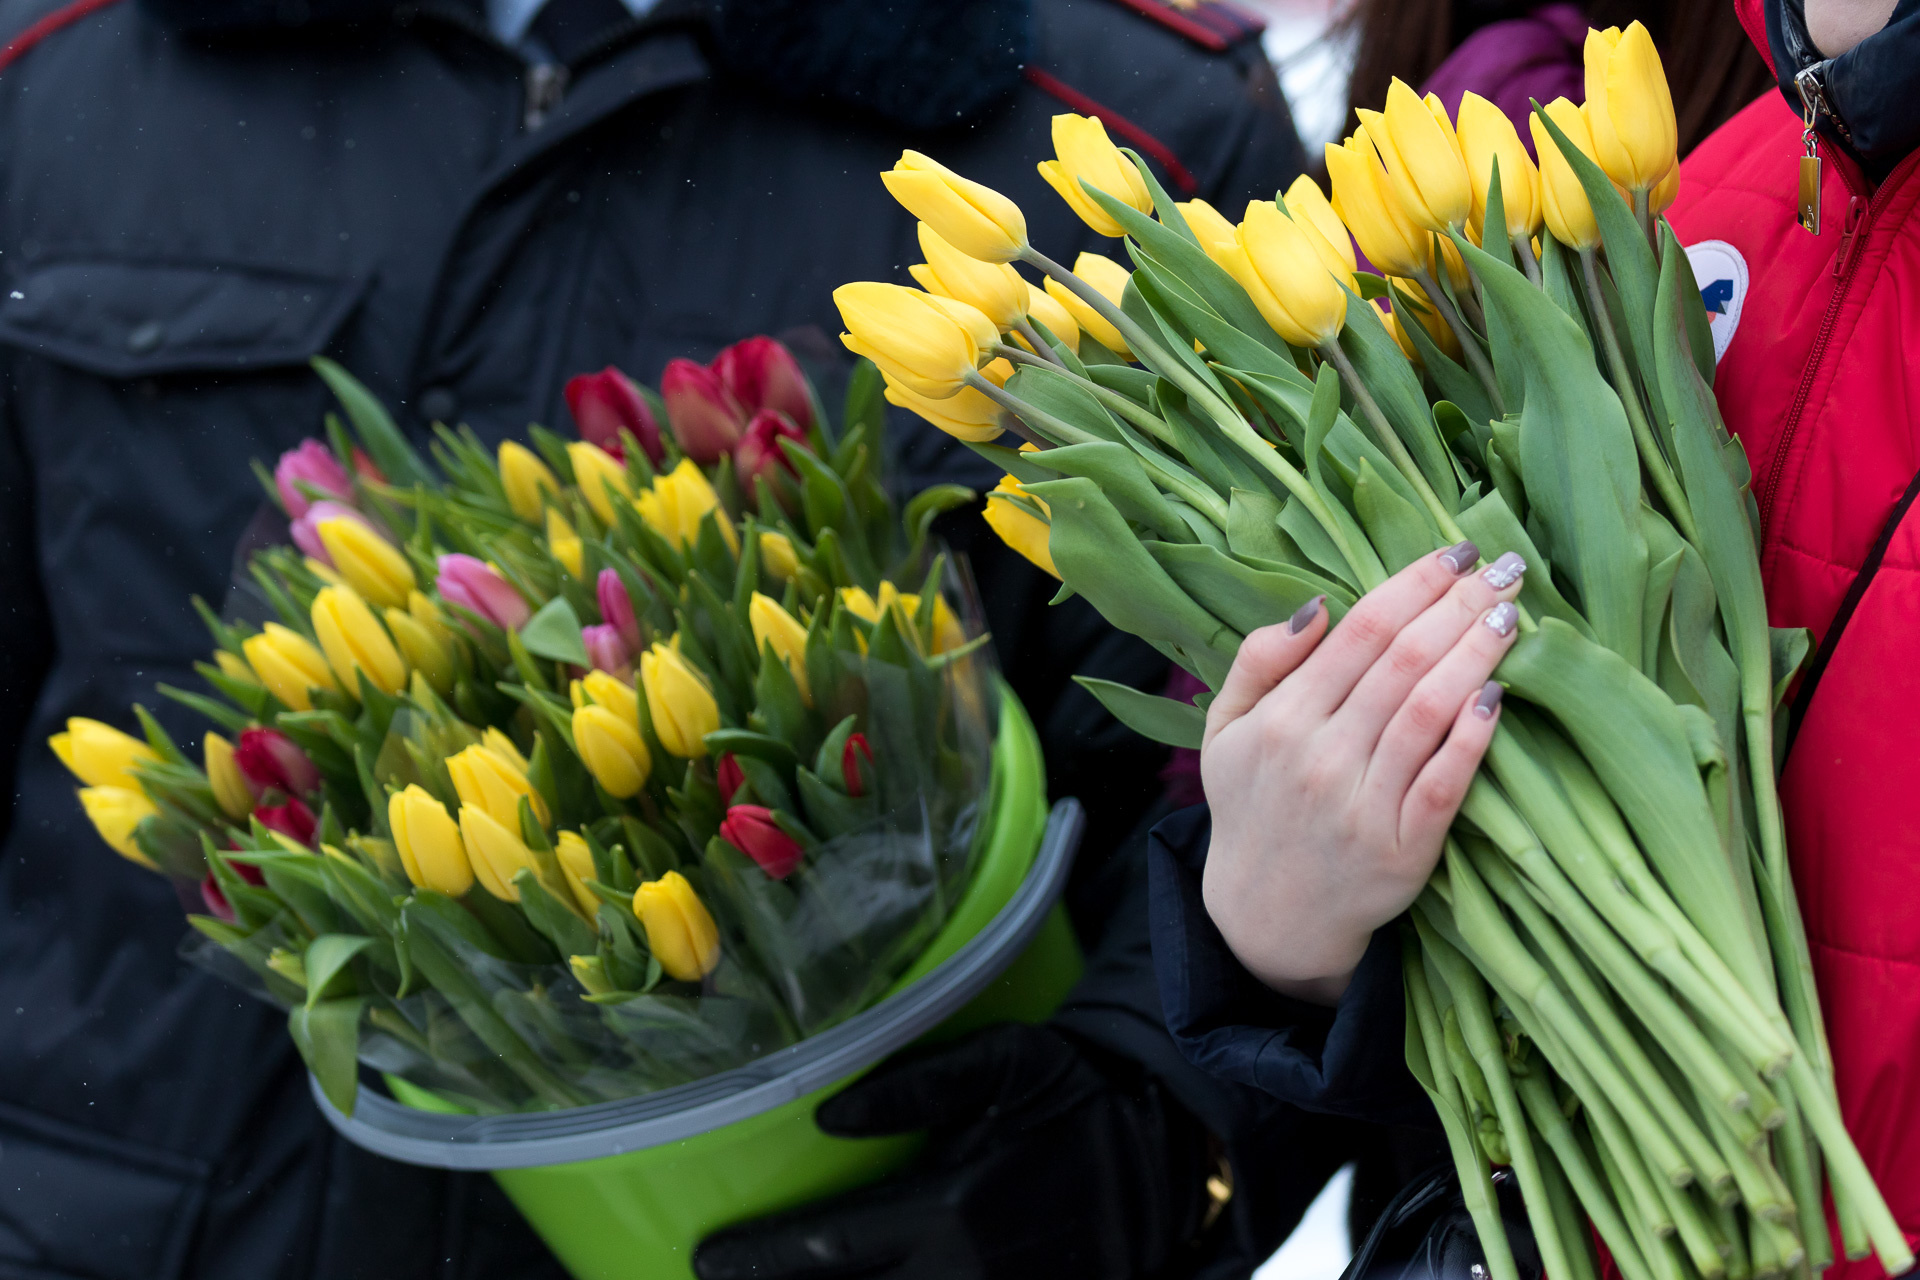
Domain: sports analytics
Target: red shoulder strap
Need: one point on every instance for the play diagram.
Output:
(1211, 24)
(1150, 146)
(64, 16)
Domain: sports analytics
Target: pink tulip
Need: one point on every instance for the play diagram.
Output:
(762, 375)
(759, 452)
(472, 584)
(310, 463)
(750, 828)
(271, 761)
(707, 420)
(292, 819)
(606, 402)
(607, 651)
(616, 608)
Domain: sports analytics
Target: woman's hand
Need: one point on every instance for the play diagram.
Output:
(1335, 763)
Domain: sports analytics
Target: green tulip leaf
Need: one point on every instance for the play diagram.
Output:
(1455, 382)
(1244, 597)
(1383, 368)
(1177, 724)
(385, 443)
(1253, 528)
(326, 956)
(1398, 531)
(1117, 470)
(328, 1037)
(1491, 524)
(554, 633)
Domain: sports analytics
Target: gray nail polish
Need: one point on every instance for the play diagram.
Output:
(1460, 557)
(1303, 616)
(1489, 700)
(1503, 618)
(1505, 571)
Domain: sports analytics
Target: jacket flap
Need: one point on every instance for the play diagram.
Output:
(132, 320)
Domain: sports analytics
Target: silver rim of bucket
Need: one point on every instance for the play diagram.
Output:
(685, 1111)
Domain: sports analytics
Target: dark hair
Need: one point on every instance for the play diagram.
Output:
(1713, 67)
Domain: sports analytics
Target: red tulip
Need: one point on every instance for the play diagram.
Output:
(472, 584)
(310, 463)
(270, 761)
(729, 776)
(607, 651)
(706, 418)
(217, 904)
(616, 608)
(606, 402)
(850, 764)
(759, 452)
(750, 829)
(292, 819)
(366, 468)
(762, 374)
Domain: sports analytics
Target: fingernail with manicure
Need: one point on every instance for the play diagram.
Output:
(1303, 616)
(1502, 618)
(1489, 700)
(1461, 557)
(1505, 571)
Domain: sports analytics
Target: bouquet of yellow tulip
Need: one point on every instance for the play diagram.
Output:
(565, 773)
(1608, 987)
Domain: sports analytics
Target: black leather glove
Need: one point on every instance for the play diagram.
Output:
(1426, 1233)
(1047, 1157)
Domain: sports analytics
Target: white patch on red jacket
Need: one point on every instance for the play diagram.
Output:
(1721, 273)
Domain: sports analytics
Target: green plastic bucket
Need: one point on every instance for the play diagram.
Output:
(629, 1188)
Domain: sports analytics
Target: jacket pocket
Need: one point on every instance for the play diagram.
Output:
(75, 1203)
(122, 320)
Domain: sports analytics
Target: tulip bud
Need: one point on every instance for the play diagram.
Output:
(729, 777)
(606, 651)
(493, 781)
(750, 828)
(234, 667)
(850, 756)
(1665, 192)
(215, 901)
(680, 932)
(616, 608)
(1424, 166)
(1085, 154)
(1308, 206)
(948, 634)
(305, 533)
(230, 789)
(312, 464)
(679, 702)
(575, 856)
(564, 544)
(1109, 279)
(922, 340)
(1209, 226)
(676, 502)
(501, 745)
(1283, 264)
(612, 750)
(1045, 308)
(967, 415)
(428, 841)
(773, 625)
(268, 760)
(370, 564)
(288, 665)
(116, 813)
(706, 419)
(292, 819)
(993, 288)
(1487, 135)
(422, 649)
(526, 480)
(99, 754)
(596, 471)
(605, 403)
(1018, 527)
(1364, 199)
(495, 851)
(611, 692)
(474, 585)
(355, 643)
(976, 220)
(1429, 319)
(762, 374)
(1629, 108)
(759, 452)
(1563, 200)
(778, 557)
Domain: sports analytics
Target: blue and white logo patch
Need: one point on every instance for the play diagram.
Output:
(1721, 273)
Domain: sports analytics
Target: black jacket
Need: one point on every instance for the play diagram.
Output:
(198, 195)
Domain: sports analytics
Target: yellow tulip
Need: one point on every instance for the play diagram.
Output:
(680, 932)
(777, 556)
(925, 341)
(1664, 193)
(1045, 308)
(1084, 153)
(1629, 108)
(1486, 135)
(354, 641)
(368, 562)
(1563, 201)
(116, 812)
(679, 702)
(527, 480)
(1308, 205)
(576, 864)
(773, 625)
(1109, 280)
(1018, 527)
(1437, 328)
(1213, 229)
(976, 220)
(565, 544)
(100, 755)
(591, 973)
(1288, 275)
(428, 841)
(230, 789)
(234, 667)
(493, 782)
(992, 288)
(1425, 170)
(969, 415)
(501, 745)
(422, 649)
(612, 750)
(595, 471)
(1364, 199)
(288, 664)
(495, 851)
(675, 504)
(322, 570)
(613, 693)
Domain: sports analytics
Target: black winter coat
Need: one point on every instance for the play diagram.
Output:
(198, 195)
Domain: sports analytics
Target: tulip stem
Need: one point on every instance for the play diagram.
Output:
(1390, 441)
(1656, 462)
(1026, 419)
(1523, 248)
(1136, 414)
(1643, 215)
(1041, 347)
(1469, 342)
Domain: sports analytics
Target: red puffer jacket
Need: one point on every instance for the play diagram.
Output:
(1818, 379)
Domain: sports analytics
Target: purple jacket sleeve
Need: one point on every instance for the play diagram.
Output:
(1347, 1061)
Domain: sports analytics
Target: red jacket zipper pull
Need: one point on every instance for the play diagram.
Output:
(1843, 260)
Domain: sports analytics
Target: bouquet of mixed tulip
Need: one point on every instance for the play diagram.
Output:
(1608, 987)
(574, 771)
